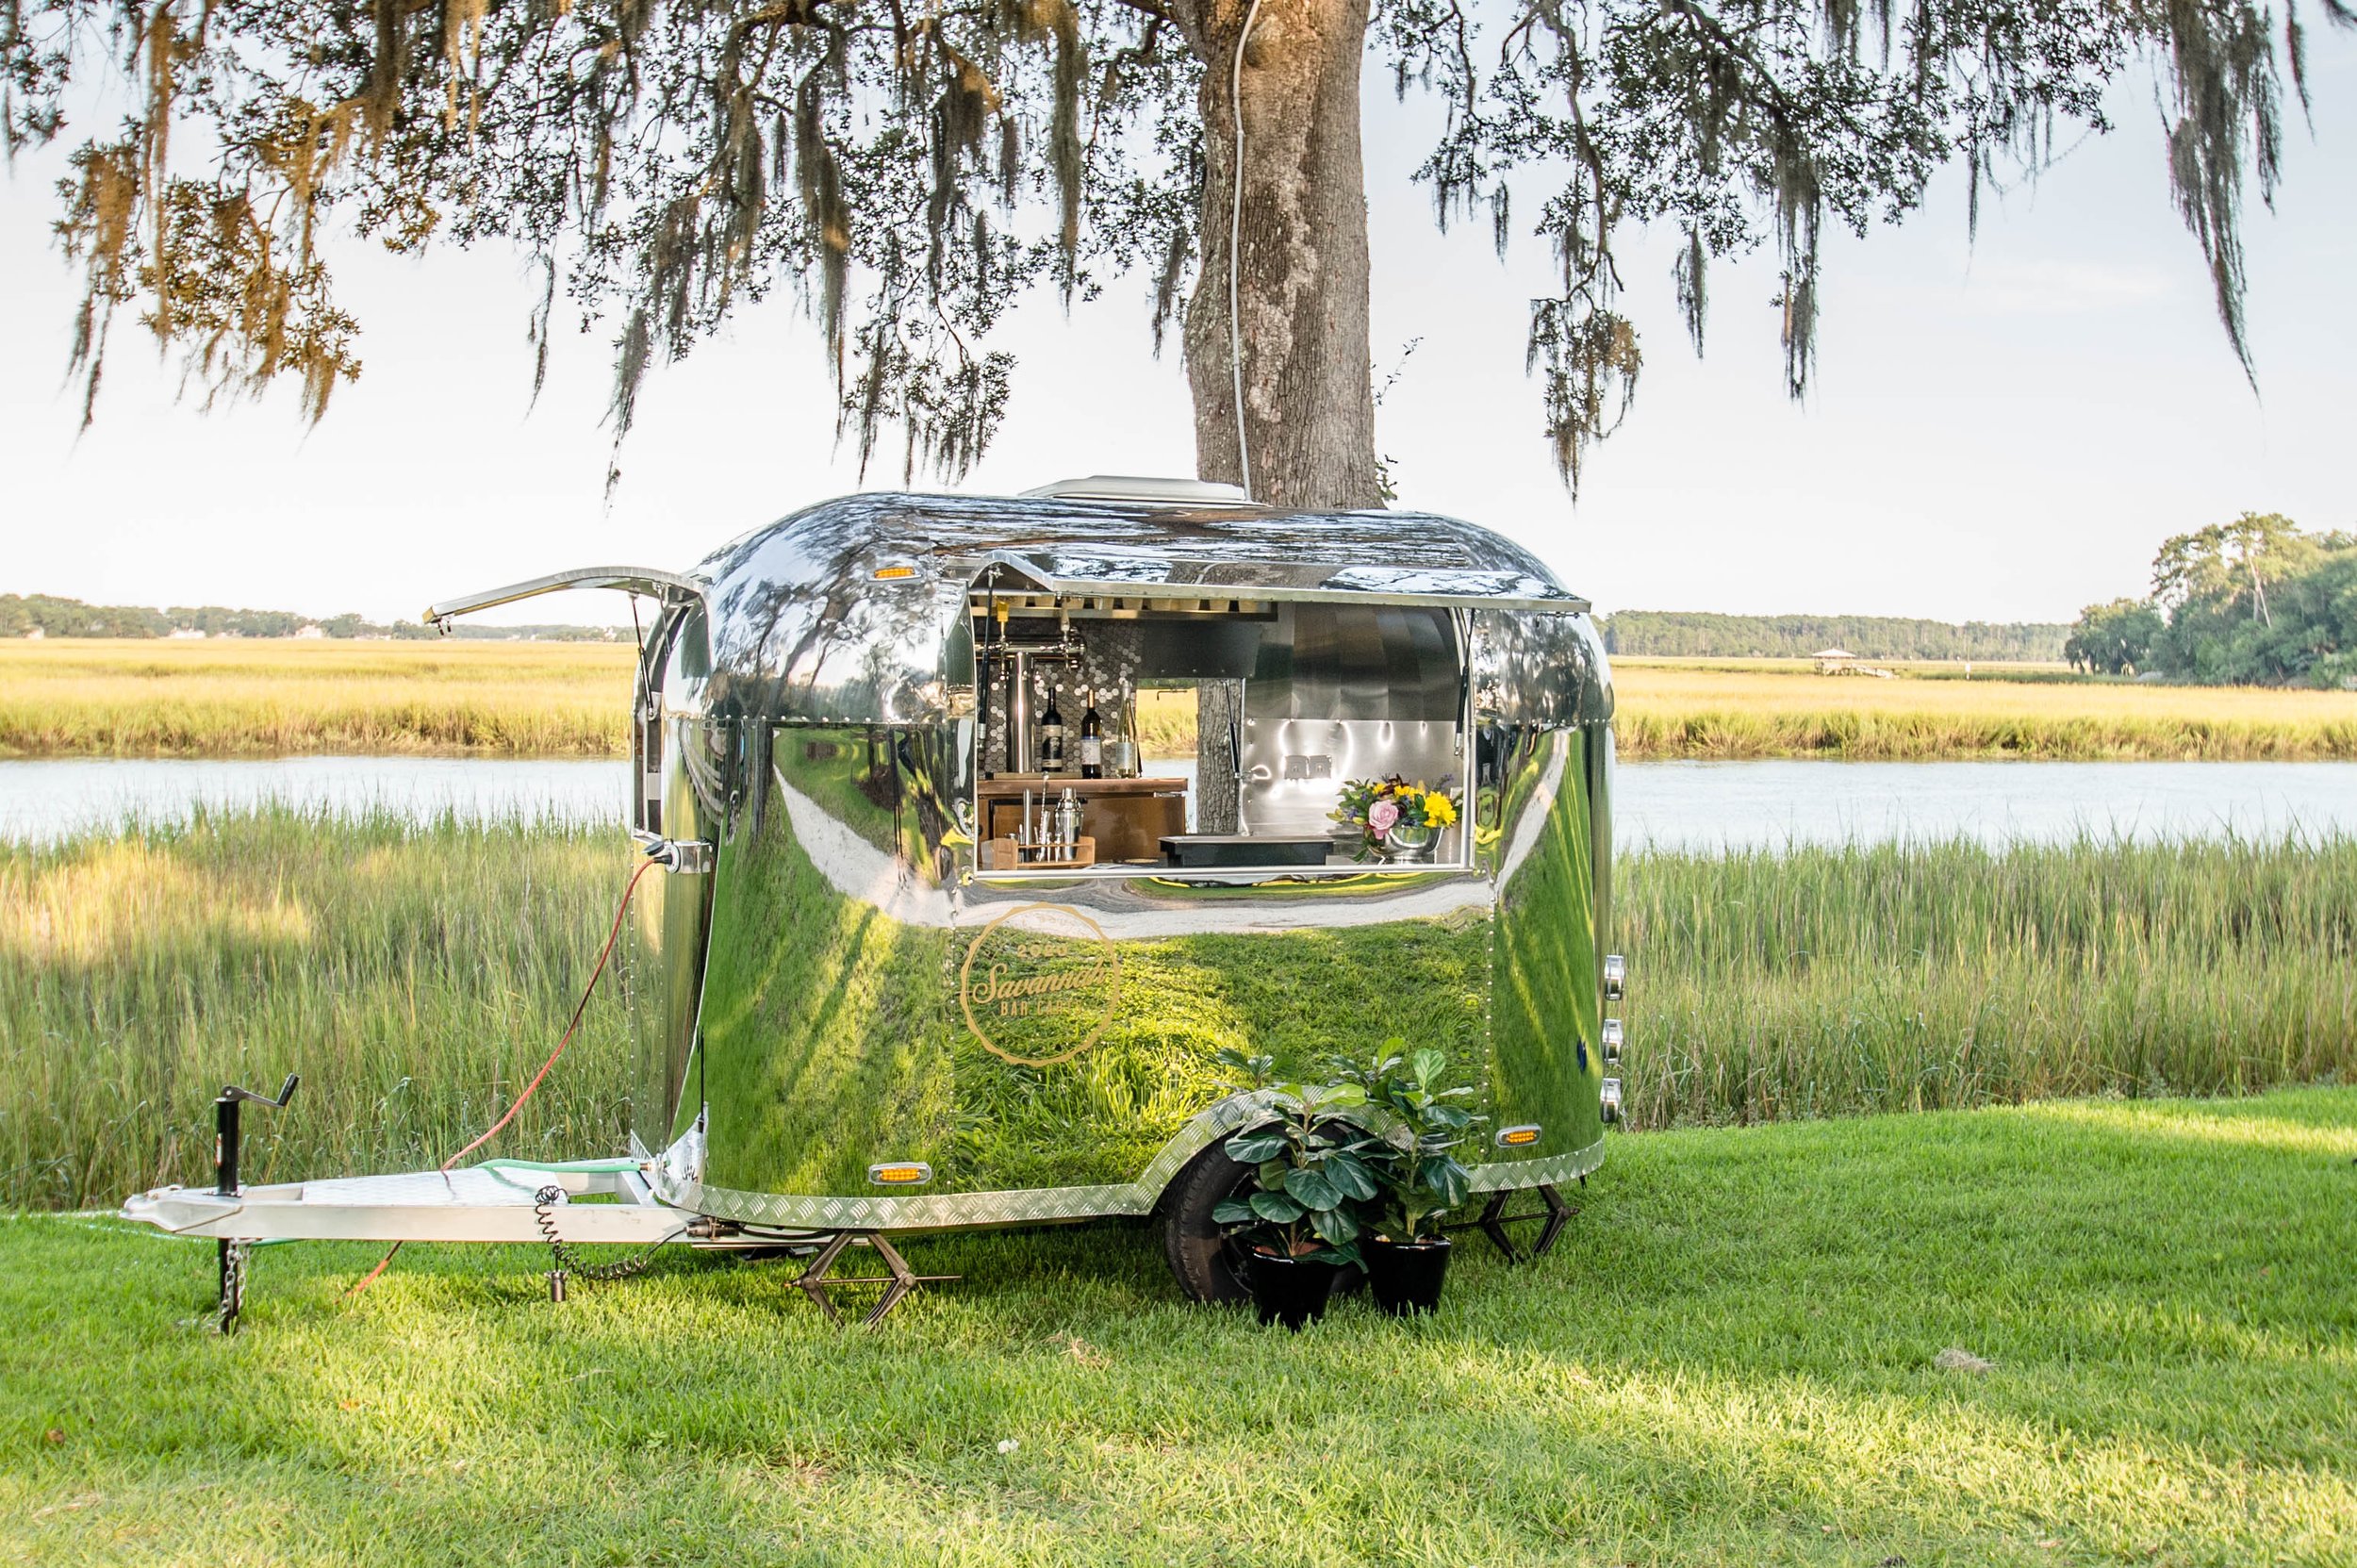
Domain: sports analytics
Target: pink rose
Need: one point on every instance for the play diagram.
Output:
(1381, 817)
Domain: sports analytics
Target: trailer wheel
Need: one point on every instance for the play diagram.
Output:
(1198, 1250)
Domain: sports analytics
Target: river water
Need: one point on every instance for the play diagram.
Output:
(1693, 806)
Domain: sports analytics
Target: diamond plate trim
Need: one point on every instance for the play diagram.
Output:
(947, 1211)
(1538, 1173)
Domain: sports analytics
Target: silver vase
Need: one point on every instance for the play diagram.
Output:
(1410, 844)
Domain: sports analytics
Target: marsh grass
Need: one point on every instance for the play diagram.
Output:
(1733, 1358)
(1826, 981)
(73, 697)
(90, 698)
(1670, 709)
(416, 975)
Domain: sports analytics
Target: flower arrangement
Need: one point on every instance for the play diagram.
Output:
(1398, 818)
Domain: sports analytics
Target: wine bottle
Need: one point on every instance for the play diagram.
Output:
(1051, 737)
(1092, 738)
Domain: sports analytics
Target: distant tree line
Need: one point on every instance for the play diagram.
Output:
(2251, 601)
(20, 614)
(1675, 634)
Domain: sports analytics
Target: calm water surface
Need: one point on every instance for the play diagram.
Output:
(46, 800)
(1695, 806)
(1712, 805)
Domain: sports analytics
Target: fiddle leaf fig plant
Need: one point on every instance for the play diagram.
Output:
(1312, 1167)
(1413, 1126)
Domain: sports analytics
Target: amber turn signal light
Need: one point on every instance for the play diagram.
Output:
(905, 1172)
(1515, 1137)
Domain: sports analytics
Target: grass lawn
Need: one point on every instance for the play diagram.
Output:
(1730, 1360)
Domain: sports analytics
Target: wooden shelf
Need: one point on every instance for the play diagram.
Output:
(1011, 785)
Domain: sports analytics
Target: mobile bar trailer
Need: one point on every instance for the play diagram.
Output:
(905, 969)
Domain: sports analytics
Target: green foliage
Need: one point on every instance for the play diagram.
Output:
(2255, 602)
(1673, 634)
(2116, 638)
(911, 172)
(1313, 1174)
(70, 618)
(1415, 1123)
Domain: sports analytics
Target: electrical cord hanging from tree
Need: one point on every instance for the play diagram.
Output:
(1235, 243)
(581, 1007)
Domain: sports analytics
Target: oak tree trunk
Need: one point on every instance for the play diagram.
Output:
(1301, 275)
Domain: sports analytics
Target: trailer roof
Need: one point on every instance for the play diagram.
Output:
(1114, 546)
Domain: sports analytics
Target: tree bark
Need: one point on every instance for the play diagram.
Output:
(1309, 402)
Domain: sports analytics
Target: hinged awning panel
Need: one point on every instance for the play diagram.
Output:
(667, 585)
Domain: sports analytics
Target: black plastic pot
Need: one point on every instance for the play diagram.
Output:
(1291, 1290)
(1405, 1277)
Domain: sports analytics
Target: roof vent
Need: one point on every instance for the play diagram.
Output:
(1156, 492)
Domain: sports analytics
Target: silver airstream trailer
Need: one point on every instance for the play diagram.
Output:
(986, 824)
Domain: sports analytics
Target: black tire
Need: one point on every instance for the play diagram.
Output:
(1198, 1250)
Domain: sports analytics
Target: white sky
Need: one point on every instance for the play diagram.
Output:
(1999, 432)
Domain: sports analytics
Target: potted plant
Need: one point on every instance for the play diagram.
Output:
(1414, 1125)
(1300, 1227)
(1398, 820)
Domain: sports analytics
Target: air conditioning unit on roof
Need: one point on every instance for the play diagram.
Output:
(1156, 492)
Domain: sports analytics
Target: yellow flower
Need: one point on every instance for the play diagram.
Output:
(1437, 809)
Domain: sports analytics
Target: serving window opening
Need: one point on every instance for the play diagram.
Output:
(1217, 735)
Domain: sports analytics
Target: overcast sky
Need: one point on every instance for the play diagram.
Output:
(1999, 431)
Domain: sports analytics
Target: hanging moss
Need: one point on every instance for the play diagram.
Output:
(664, 160)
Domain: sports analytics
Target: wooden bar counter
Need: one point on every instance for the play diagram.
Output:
(1127, 818)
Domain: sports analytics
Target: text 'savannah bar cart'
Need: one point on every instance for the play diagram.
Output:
(984, 824)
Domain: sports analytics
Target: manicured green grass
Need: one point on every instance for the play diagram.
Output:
(417, 975)
(1729, 1361)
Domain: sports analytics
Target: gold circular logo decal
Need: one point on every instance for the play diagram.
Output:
(1040, 984)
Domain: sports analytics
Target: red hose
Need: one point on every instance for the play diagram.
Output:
(581, 1007)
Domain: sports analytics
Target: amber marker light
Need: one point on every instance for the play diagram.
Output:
(1516, 1137)
(885, 574)
(906, 1173)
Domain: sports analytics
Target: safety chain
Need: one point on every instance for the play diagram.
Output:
(233, 1259)
(543, 1203)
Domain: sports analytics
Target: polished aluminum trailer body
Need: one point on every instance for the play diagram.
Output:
(846, 1021)
(843, 993)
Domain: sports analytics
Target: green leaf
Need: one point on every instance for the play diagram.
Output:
(1335, 1227)
(1233, 1211)
(1349, 1173)
(1251, 1148)
(1275, 1207)
(1312, 1189)
(1451, 1183)
(1426, 1065)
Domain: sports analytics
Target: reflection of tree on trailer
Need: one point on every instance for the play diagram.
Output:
(819, 974)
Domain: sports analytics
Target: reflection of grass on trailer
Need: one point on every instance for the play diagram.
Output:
(852, 1022)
